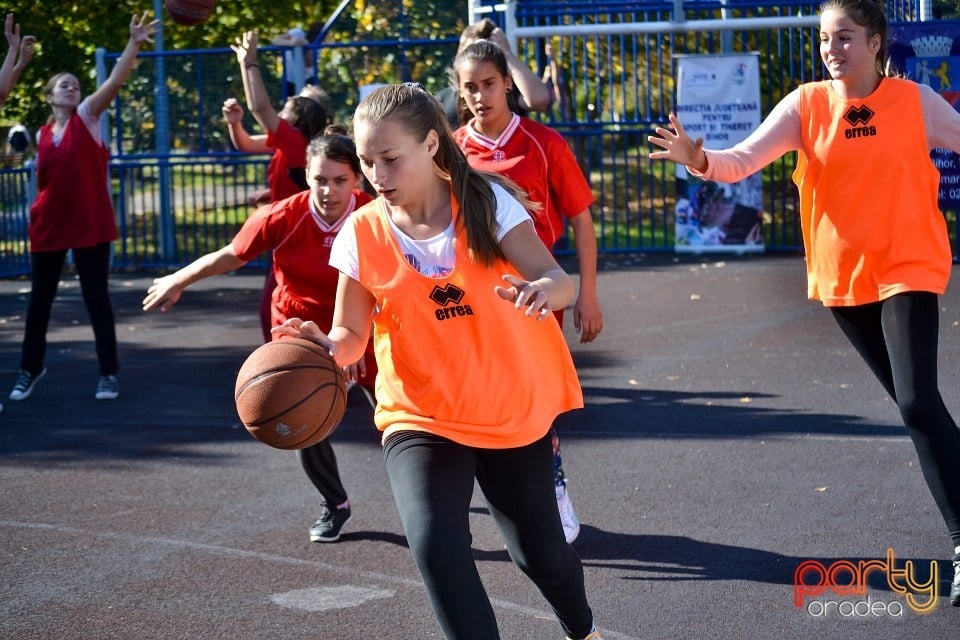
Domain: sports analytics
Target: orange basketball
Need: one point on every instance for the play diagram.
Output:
(190, 12)
(290, 393)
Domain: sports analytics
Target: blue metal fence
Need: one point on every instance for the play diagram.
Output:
(173, 207)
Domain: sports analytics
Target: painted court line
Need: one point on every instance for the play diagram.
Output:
(348, 595)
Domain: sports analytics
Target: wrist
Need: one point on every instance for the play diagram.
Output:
(251, 65)
(702, 165)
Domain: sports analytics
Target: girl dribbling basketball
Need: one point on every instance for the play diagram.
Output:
(448, 269)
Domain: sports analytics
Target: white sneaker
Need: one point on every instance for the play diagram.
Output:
(25, 383)
(568, 517)
(107, 388)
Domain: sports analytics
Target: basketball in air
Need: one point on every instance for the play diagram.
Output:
(190, 12)
(290, 394)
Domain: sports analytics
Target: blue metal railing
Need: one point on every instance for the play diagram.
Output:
(173, 207)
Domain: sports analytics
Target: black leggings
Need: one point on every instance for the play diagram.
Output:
(320, 464)
(432, 480)
(93, 267)
(898, 339)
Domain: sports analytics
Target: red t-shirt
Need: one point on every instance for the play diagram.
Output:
(289, 152)
(540, 161)
(300, 239)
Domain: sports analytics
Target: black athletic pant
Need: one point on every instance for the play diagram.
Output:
(93, 267)
(432, 480)
(320, 464)
(898, 339)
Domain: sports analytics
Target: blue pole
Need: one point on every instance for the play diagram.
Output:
(168, 243)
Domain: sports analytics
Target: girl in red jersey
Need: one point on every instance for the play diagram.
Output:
(73, 212)
(300, 231)
(539, 161)
(288, 132)
(877, 249)
(469, 380)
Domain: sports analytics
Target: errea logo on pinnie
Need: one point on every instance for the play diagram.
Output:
(449, 298)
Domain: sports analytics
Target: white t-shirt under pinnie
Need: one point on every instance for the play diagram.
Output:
(433, 257)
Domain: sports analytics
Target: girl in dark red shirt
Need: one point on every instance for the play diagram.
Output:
(73, 211)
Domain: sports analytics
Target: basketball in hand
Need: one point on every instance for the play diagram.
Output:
(290, 393)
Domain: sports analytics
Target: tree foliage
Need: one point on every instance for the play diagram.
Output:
(69, 33)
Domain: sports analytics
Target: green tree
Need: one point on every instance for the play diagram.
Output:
(69, 33)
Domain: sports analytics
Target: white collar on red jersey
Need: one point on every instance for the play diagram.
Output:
(322, 223)
(501, 140)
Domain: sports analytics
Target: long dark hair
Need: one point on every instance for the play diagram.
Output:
(334, 144)
(308, 116)
(868, 14)
(484, 51)
(418, 112)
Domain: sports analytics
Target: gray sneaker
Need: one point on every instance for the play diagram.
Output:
(25, 383)
(107, 388)
(327, 528)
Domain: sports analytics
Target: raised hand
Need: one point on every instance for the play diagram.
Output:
(678, 146)
(142, 31)
(246, 48)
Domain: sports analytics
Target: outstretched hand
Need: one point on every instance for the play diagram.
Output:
(142, 31)
(27, 48)
(246, 48)
(525, 294)
(163, 293)
(12, 31)
(678, 146)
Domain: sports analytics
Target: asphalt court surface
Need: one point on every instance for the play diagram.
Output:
(731, 435)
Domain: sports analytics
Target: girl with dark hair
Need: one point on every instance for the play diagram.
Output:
(73, 211)
(528, 92)
(287, 134)
(300, 231)
(877, 250)
(538, 159)
(446, 266)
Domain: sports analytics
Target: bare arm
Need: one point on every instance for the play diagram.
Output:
(13, 65)
(543, 286)
(258, 101)
(587, 317)
(535, 92)
(140, 31)
(240, 137)
(165, 291)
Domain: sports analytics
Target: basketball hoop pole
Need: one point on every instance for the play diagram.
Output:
(161, 119)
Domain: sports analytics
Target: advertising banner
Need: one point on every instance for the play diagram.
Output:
(718, 99)
(929, 53)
